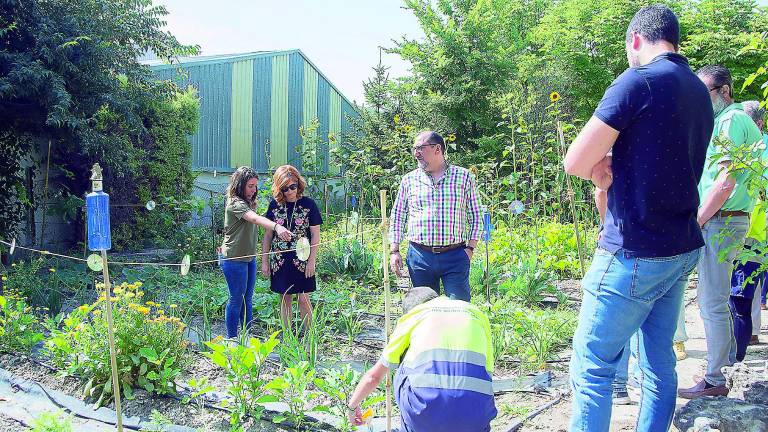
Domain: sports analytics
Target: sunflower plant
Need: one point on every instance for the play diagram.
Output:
(151, 349)
(18, 325)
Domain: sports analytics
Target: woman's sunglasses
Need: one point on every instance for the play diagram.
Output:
(285, 189)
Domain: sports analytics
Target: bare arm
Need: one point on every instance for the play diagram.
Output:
(266, 243)
(367, 384)
(589, 148)
(268, 225)
(717, 195)
(315, 231)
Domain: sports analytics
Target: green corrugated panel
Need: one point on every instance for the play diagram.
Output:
(310, 100)
(279, 135)
(334, 126)
(242, 113)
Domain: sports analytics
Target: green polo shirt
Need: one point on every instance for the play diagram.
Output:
(240, 236)
(741, 130)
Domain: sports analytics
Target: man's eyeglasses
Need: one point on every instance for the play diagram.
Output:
(419, 149)
(718, 87)
(285, 189)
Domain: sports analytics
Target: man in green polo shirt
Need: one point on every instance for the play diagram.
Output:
(724, 218)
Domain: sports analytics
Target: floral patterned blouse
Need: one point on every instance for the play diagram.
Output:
(297, 217)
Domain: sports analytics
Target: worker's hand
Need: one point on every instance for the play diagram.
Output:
(602, 173)
(311, 265)
(396, 263)
(356, 416)
(283, 232)
(265, 268)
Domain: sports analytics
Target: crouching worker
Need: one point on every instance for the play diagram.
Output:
(442, 348)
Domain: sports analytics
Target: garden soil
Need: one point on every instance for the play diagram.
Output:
(623, 418)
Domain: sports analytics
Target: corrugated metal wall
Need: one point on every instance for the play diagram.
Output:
(251, 108)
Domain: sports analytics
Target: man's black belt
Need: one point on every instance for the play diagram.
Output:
(439, 249)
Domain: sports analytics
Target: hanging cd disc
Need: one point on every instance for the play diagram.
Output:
(185, 263)
(303, 249)
(516, 207)
(354, 218)
(150, 205)
(95, 263)
(13, 247)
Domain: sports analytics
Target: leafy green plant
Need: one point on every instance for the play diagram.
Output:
(199, 387)
(337, 386)
(350, 320)
(19, 328)
(347, 256)
(151, 349)
(542, 333)
(52, 422)
(292, 388)
(528, 284)
(243, 368)
(37, 281)
(296, 347)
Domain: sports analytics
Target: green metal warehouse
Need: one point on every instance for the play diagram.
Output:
(252, 105)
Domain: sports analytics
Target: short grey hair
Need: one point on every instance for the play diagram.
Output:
(753, 109)
(430, 137)
(416, 296)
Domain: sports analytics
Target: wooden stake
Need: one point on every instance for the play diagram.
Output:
(573, 201)
(385, 268)
(111, 337)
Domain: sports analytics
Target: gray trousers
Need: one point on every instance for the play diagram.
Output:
(714, 288)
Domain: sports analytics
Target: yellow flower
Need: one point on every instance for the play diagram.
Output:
(118, 291)
(97, 312)
(554, 97)
(397, 118)
(52, 270)
(5, 278)
(452, 137)
(160, 312)
(138, 284)
(130, 295)
(143, 310)
(218, 339)
(114, 299)
(174, 306)
(13, 265)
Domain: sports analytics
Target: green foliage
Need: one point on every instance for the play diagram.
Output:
(19, 328)
(293, 389)
(243, 368)
(528, 284)
(70, 77)
(303, 346)
(151, 349)
(38, 283)
(52, 422)
(349, 257)
(337, 385)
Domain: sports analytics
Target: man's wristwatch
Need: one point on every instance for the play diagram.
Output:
(351, 409)
(396, 251)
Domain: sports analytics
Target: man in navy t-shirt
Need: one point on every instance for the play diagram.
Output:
(645, 145)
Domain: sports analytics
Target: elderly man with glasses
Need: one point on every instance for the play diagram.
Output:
(439, 203)
(723, 216)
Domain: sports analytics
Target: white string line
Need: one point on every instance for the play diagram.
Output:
(45, 252)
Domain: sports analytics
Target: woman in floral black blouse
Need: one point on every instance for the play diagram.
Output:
(289, 275)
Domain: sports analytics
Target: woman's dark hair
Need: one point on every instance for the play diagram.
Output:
(655, 23)
(237, 182)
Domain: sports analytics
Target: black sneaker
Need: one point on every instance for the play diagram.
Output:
(621, 397)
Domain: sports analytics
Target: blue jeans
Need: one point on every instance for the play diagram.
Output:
(428, 269)
(624, 295)
(241, 278)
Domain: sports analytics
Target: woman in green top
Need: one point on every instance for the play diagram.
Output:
(239, 246)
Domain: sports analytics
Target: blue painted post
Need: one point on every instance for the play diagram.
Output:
(487, 228)
(100, 239)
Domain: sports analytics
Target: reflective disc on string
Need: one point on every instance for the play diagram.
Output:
(302, 249)
(95, 263)
(185, 262)
(150, 205)
(354, 218)
(13, 247)
(516, 207)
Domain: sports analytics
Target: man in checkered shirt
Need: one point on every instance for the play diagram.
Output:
(439, 203)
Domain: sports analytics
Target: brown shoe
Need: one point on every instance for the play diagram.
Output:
(701, 389)
(762, 306)
(754, 340)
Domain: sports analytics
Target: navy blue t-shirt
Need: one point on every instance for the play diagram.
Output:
(664, 117)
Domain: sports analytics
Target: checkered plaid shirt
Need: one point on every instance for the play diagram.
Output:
(438, 213)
